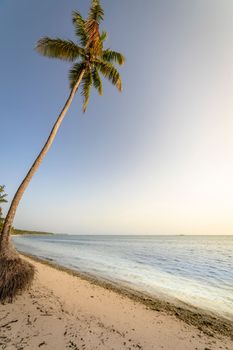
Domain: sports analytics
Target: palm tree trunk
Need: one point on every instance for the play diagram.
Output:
(5, 246)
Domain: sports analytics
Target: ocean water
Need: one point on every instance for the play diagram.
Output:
(197, 270)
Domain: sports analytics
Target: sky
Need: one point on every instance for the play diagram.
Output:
(156, 159)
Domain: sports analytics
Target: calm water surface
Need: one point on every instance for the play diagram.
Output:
(194, 269)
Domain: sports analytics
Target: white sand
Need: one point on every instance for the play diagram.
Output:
(66, 312)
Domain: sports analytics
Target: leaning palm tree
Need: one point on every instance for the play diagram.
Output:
(90, 59)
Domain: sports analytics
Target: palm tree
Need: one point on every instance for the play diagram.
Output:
(90, 59)
(3, 196)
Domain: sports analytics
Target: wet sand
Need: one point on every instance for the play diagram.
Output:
(66, 310)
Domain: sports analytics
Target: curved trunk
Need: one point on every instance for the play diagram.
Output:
(5, 245)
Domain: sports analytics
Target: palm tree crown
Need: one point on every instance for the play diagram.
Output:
(89, 56)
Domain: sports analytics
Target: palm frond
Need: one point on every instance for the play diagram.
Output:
(103, 36)
(3, 195)
(97, 81)
(96, 12)
(57, 48)
(75, 72)
(109, 72)
(79, 25)
(86, 88)
(94, 42)
(3, 199)
(113, 56)
(95, 15)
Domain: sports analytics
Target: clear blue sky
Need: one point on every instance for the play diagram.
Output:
(156, 159)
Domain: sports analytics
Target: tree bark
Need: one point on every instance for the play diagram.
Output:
(6, 230)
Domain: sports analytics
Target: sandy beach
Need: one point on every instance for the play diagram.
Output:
(62, 311)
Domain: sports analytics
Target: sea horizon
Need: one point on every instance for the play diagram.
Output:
(124, 234)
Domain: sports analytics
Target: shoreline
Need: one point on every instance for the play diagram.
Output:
(210, 324)
(64, 310)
